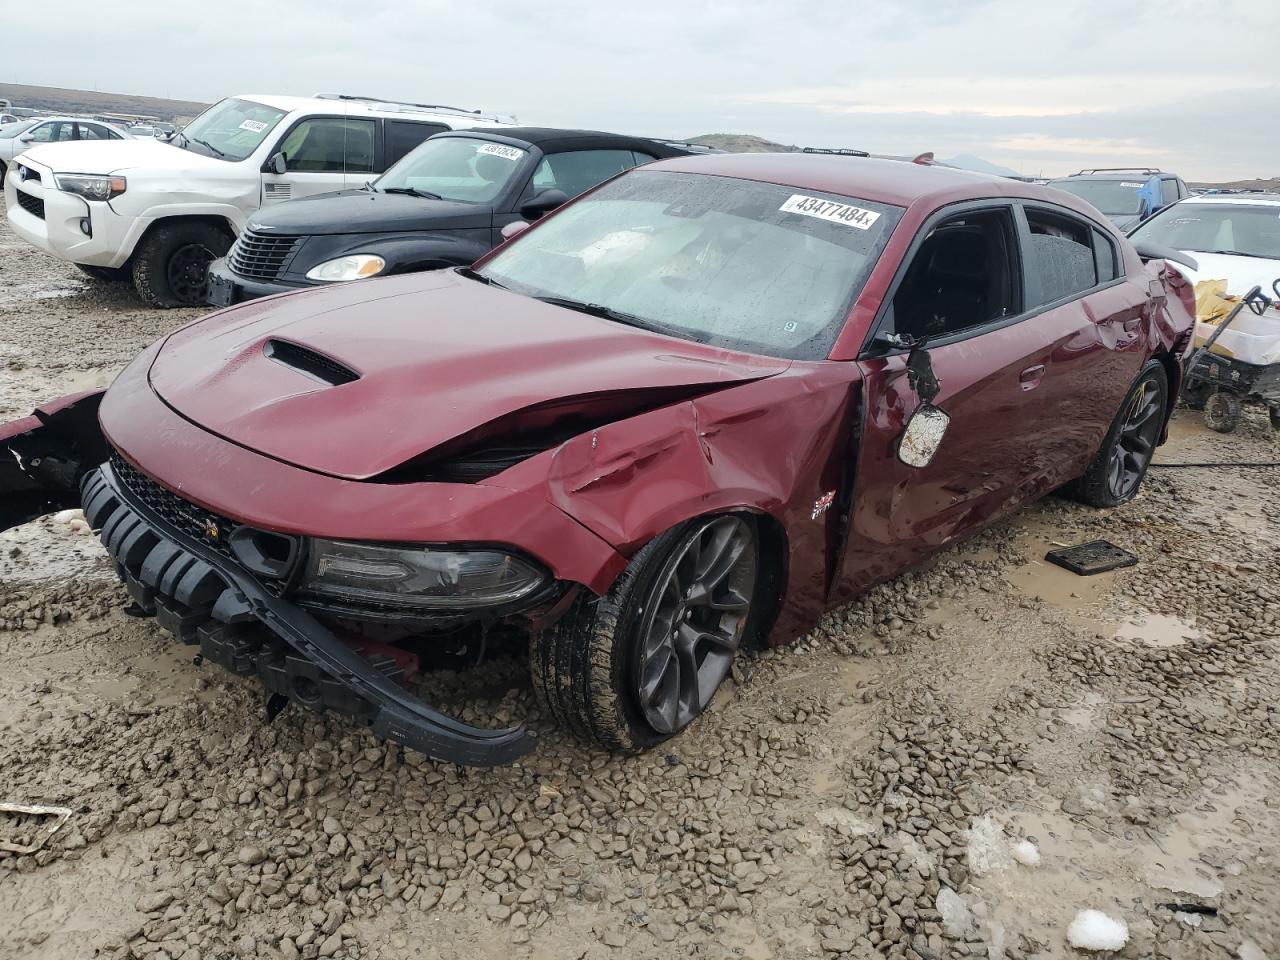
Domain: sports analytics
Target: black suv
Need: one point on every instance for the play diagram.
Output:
(443, 204)
(1127, 195)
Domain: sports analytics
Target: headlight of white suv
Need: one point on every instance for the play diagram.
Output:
(355, 266)
(91, 186)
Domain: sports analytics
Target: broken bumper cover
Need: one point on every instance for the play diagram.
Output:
(205, 598)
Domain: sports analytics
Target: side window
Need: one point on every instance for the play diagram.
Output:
(330, 145)
(577, 171)
(963, 275)
(49, 132)
(1061, 255)
(92, 131)
(1105, 256)
(404, 135)
(640, 159)
(1168, 191)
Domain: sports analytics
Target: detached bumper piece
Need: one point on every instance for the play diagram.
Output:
(206, 599)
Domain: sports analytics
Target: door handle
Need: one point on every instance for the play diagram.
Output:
(1030, 377)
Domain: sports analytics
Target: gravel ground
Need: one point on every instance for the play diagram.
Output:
(953, 766)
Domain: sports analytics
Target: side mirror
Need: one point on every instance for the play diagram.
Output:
(27, 138)
(543, 204)
(514, 229)
(276, 163)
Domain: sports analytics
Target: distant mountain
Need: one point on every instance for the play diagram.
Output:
(967, 161)
(741, 143)
(89, 102)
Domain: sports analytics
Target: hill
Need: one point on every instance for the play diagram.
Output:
(741, 143)
(89, 102)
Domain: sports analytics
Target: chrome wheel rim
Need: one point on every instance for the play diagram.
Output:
(693, 622)
(1136, 442)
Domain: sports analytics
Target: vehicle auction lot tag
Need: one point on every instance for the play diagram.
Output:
(845, 213)
(498, 150)
(253, 126)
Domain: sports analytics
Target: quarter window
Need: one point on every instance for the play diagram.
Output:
(1061, 255)
(963, 275)
(1105, 255)
(330, 145)
(577, 171)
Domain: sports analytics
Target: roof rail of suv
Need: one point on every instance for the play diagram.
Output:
(1092, 170)
(836, 151)
(408, 107)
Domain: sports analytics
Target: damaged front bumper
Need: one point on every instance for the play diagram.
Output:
(206, 598)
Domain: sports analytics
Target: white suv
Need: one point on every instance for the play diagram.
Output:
(159, 212)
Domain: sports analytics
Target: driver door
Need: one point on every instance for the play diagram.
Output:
(962, 289)
(321, 154)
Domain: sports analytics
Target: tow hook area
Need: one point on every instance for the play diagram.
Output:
(204, 598)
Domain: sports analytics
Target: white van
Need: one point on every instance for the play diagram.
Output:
(158, 212)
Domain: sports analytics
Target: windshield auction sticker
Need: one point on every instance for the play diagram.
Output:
(499, 150)
(253, 126)
(845, 213)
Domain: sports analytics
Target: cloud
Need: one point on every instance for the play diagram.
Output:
(1025, 85)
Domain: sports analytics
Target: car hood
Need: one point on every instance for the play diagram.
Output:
(1241, 273)
(363, 211)
(434, 356)
(114, 156)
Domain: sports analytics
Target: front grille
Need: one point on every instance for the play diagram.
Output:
(33, 205)
(260, 256)
(27, 175)
(184, 516)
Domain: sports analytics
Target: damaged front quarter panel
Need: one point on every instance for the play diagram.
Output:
(773, 447)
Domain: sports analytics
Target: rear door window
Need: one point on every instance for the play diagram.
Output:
(1061, 254)
(577, 171)
(403, 135)
(1168, 191)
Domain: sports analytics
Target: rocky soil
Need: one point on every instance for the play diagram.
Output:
(954, 766)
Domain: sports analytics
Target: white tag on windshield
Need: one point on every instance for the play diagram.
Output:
(253, 126)
(1125, 183)
(500, 150)
(845, 213)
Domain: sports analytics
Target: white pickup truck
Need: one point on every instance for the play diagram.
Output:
(158, 212)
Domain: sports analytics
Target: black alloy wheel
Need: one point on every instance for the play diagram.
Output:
(188, 273)
(1135, 444)
(693, 622)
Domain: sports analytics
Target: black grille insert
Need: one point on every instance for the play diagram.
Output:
(33, 205)
(184, 516)
(261, 256)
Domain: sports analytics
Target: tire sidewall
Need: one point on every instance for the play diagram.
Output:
(1154, 371)
(151, 261)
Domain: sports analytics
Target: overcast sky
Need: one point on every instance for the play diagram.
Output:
(1190, 85)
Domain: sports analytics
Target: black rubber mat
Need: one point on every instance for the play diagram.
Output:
(1096, 556)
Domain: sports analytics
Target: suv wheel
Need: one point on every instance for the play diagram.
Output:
(635, 667)
(1116, 473)
(171, 265)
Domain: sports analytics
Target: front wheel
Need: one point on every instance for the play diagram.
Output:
(1116, 473)
(635, 667)
(171, 265)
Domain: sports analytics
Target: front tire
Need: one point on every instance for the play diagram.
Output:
(171, 265)
(631, 669)
(1116, 473)
(1222, 412)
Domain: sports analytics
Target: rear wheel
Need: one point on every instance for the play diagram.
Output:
(633, 668)
(106, 274)
(1222, 411)
(171, 265)
(1116, 473)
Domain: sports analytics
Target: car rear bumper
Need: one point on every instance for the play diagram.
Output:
(64, 225)
(205, 598)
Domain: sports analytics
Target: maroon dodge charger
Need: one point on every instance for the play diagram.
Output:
(680, 416)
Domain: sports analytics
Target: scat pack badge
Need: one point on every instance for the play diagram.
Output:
(211, 530)
(823, 504)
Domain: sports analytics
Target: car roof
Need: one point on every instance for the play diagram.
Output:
(896, 182)
(355, 106)
(553, 140)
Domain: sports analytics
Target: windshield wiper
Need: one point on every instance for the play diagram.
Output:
(597, 310)
(206, 143)
(1241, 253)
(413, 192)
(472, 275)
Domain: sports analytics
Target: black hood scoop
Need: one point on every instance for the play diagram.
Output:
(309, 363)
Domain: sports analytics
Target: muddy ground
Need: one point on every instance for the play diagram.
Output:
(954, 766)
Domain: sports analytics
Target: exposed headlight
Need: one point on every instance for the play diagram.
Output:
(91, 186)
(424, 577)
(355, 266)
